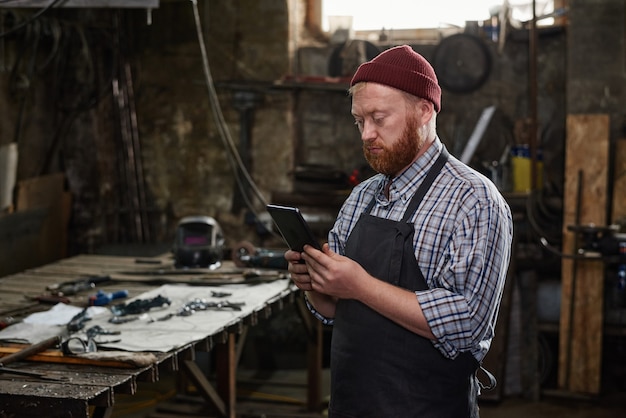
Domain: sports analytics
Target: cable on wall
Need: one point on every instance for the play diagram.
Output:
(233, 154)
(34, 17)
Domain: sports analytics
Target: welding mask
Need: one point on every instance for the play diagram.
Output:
(199, 242)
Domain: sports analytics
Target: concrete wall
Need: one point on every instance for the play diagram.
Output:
(158, 118)
(71, 119)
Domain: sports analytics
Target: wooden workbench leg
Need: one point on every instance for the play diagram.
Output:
(102, 412)
(226, 369)
(204, 386)
(315, 347)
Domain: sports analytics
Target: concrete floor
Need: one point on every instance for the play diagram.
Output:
(282, 394)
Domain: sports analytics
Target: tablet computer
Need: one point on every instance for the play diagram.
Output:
(293, 227)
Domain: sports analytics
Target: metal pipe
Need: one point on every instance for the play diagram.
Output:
(532, 79)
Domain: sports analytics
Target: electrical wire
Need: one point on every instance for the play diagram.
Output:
(34, 17)
(232, 153)
(534, 201)
(581, 256)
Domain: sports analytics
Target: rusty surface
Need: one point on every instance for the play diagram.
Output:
(80, 387)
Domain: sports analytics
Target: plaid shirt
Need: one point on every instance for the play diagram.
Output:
(462, 242)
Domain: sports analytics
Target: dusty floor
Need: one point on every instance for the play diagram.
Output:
(282, 394)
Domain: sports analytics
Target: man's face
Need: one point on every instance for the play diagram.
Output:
(390, 134)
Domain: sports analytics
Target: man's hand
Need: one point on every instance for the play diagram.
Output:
(333, 274)
(298, 270)
(338, 277)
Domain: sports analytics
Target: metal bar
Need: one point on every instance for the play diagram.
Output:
(532, 81)
(138, 160)
(129, 4)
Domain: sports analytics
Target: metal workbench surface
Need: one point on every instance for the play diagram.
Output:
(77, 387)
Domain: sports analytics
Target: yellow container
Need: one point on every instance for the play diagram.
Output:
(521, 165)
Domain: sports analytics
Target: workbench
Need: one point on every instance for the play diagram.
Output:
(88, 387)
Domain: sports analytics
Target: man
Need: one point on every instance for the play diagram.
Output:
(413, 272)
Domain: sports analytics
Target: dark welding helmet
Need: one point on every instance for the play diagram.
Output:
(199, 242)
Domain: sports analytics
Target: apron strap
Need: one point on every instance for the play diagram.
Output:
(428, 181)
(492, 379)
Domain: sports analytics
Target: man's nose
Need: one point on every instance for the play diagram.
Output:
(368, 132)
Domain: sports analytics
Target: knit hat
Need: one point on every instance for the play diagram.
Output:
(403, 68)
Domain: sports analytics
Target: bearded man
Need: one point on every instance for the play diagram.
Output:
(412, 275)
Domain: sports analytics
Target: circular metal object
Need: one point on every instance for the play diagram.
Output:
(241, 252)
(462, 63)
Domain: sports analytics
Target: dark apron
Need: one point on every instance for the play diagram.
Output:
(379, 368)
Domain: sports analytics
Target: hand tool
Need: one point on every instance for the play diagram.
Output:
(140, 306)
(245, 254)
(103, 298)
(50, 299)
(78, 321)
(202, 305)
(74, 286)
(27, 352)
(30, 350)
(99, 358)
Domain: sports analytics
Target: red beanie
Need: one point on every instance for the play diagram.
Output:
(403, 68)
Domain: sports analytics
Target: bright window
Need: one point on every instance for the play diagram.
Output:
(411, 14)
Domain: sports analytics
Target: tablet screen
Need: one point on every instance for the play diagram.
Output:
(293, 227)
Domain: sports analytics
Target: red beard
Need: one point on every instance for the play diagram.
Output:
(395, 158)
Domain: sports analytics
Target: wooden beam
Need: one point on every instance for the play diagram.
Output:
(619, 183)
(110, 4)
(57, 357)
(582, 281)
(204, 386)
(226, 369)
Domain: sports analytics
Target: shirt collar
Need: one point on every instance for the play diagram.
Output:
(406, 183)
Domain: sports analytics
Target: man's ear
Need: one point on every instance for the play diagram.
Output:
(427, 110)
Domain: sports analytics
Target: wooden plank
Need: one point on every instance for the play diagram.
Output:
(46, 192)
(19, 235)
(226, 374)
(580, 331)
(619, 184)
(58, 357)
(39, 192)
(204, 386)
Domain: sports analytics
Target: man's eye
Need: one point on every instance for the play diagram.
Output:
(358, 124)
